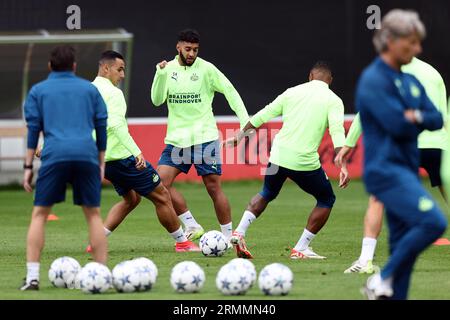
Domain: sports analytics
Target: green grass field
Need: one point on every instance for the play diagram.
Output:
(269, 238)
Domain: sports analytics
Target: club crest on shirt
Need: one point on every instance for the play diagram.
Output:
(155, 178)
(415, 91)
(425, 204)
(194, 77)
(175, 76)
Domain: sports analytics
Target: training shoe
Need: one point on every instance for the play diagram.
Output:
(186, 246)
(238, 241)
(305, 254)
(32, 285)
(194, 233)
(88, 249)
(375, 289)
(358, 267)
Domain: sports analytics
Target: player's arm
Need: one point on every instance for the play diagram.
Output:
(221, 84)
(350, 141)
(427, 116)
(380, 101)
(337, 133)
(33, 119)
(272, 110)
(118, 126)
(100, 122)
(159, 85)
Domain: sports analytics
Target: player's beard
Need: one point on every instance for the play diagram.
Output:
(184, 60)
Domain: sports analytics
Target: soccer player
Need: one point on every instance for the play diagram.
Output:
(131, 175)
(187, 84)
(66, 109)
(394, 109)
(430, 143)
(307, 110)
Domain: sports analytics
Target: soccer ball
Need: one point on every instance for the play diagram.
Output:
(249, 266)
(125, 277)
(148, 266)
(187, 276)
(233, 279)
(213, 244)
(63, 271)
(95, 278)
(147, 271)
(275, 279)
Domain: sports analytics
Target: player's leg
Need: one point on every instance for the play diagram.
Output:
(315, 183)
(160, 197)
(35, 244)
(414, 220)
(173, 161)
(221, 205)
(87, 186)
(273, 182)
(373, 222)
(207, 162)
(97, 237)
(50, 189)
(130, 200)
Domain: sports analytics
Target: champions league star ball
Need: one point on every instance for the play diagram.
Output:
(187, 276)
(213, 244)
(248, 265)
(63, 271)
(125, 277)
(148, 272)
(275, 279)
(95, 278)
(234, 279)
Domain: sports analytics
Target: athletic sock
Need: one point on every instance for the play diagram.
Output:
(304, 240)
(227, 230)
(246, 220)
(179, 235)
(32, 271)
(107, 232)
(367, 250)
(188, 220)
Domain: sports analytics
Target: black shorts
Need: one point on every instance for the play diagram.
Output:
(125, 177)
(53, 179)
(314, 182)
(430, 160)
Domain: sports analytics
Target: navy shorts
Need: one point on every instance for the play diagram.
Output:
(125, 177)
(314, 182)
(430, 160)
(82, 175)
(205, 158)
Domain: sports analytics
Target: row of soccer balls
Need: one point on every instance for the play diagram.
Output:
(140, 274)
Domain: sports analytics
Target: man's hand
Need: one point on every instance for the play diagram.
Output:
(162, 64)
(344, 178)
(410, 116)
(38, 152)
(231, 142)
(341, 157)
(27, 178)
(140, 162)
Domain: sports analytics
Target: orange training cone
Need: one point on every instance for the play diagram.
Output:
(52, 217)
(442, 242)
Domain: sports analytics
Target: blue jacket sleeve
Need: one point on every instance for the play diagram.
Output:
(377, 98)
(100, 121)
(432, 118)
(33, 118)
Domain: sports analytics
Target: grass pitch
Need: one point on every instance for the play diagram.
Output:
(269, 238)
